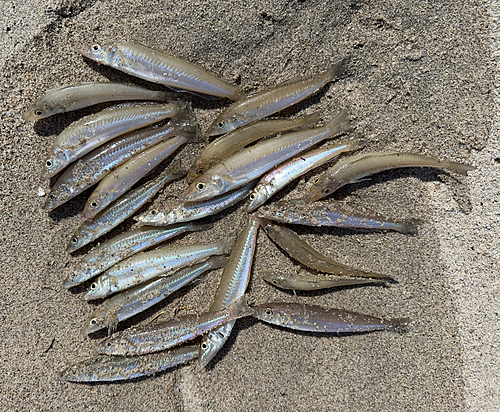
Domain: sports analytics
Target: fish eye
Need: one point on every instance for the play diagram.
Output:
(316, 181)
(200, 186)
(109, 344)
(232, 119)
(220, 125)
(38, 112)
(252, 196)
(326, 190)
(74, 240)
(93, 285)
(153, 212)
(274, 282)
(96, 47)
(93, 321)
(52, 196)
(94, 203)
(204, 346)
(268, 311)
(49, 163)
(200, 172)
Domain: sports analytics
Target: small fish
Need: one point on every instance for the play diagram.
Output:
(158, 67)
(158, 337)
(280, 176)
(298, 212)
(121, 209)
(232, 286)
(312, 318)
(252, 162)
(121, 247)
(226, 145)
(130, 302)
(120, 368)
(191, 211)
(310, 282)
(120, 180)
(301, 251)
(262, 104)
(76, 96)
(84, 135)
(353, 169)
(144, 266)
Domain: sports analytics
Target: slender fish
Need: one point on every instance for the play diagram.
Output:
(100, 162)
(84, 135)
(120, 368)
(149, 265)
(136, 300)
(226, 145)
(267, 102)
(121, 209)
(250, 163)
(120, 180)
(312, 318)
(196, 210)
(301, 251)
(352, 169)
(76, 96)
(121, 247)
(232, 286)
(298, 212)
(161, 336)
(158, 67)
(280, 176)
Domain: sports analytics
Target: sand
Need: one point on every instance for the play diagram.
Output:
(422, 78)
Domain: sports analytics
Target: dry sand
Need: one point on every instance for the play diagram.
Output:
(423, 78)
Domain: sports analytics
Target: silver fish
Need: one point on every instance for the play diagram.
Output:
(120, 210)
(84, 135)
(158, 67)
(149, 265)
(121, 247)
(232, 286)
(158, 337)
(76, 96)
(120, 368)
(136, 300)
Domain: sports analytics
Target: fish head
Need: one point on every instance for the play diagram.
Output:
(321, 188)
(276, 279)
(271, 313)
(96, 322)
(77, 241)
(153, 217)
(38, 110)
(97, 202)
(225, 123)
(196, 170)
(116, 346)
(56, 161)
(100, 288)
(212, 343)
(104, 53)
(258, 197)
(206, 187)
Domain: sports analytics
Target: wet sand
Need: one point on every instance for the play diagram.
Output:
(422, 78)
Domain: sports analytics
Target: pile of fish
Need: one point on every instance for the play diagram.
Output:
(118, 146)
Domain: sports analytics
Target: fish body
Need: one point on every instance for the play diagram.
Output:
(352, 169)
(232, 286)
(158, 337)
(262, 104)
(158, 67)
(77, 96)
(84, 135)
(312, 318)
(144, 266)
(120, 210)
(250, 163)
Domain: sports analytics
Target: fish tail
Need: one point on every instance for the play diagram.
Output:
(226, 246)
(198, 227)
(240, 308)
(409, 227)
(217, 261)
(338, 69)
(310, 119)
(340, 124)
(166, 96)
(356, 143)
(460, 167)
(399, 324)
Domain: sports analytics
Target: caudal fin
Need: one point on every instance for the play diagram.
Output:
(460, 167)
(339, 68)
(340, 124)
(409, 227)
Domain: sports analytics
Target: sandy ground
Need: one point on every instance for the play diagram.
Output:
(423, 78)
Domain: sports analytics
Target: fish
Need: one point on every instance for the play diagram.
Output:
(295, 281)
(301, 251)
(86, 134)
(264, 103)
(133, 301)
(158, 67)
(185, 212)
(104, 368)
(354, 168)
(280, 176)
(121, 247)
(250, 163)
(298, 212)
(144, 266)
(226, 145)
(232, 286)
(100, 162)
(312, 318)
(121, 179)
(77, 96)
(121, 209)
(161, 336)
